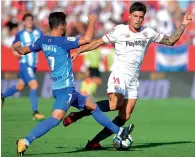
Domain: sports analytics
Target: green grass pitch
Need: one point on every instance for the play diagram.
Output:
(163, 128)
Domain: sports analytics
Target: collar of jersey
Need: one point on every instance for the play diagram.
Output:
(142, 28)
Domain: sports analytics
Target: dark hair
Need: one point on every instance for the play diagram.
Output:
(56, 19)
(137, 6)
(27, 15)
(11, 25)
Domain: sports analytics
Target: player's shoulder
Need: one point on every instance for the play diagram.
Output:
(37, 30)
(149, 29)
(121, 27)
(43, 39)
(20, 32)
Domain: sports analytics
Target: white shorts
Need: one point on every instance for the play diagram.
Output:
(125, 84)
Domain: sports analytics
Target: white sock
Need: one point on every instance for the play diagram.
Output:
(26, 142)
(120, 131)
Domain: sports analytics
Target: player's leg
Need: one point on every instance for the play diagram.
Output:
(116, 101)
(74, 116)
(33, 84)
(124, 114)
(83, 102)
(10, 91)
(116, 92)
(60, 106)
(126, 110)
(105, 133)
(30, 79)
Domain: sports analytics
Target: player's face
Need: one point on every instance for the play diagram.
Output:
(28, 22)
(136, 19)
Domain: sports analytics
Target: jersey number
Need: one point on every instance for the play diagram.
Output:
(51, 62)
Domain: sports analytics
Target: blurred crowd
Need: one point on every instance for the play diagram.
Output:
(163, 16)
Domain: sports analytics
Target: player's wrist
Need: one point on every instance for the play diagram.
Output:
(184, 24)
(91, 22)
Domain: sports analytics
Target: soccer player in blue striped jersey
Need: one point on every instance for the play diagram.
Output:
(28, 64)
(56, 48)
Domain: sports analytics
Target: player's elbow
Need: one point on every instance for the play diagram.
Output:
(87, 39)
(171, 43)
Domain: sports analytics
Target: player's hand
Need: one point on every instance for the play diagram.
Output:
(187, 18)
(92, 18)
(74, 56)
(17, 44)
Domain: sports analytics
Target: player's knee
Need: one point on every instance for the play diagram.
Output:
(90, 104)
(58, 114)
(19, 87)
(33, 84)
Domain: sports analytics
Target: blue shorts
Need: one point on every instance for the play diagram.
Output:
(67, 97)
(27, 73)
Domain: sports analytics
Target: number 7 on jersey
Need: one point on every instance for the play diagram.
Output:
(51, 62)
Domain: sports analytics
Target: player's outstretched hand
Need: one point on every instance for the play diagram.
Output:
(187, 18)
(92, 18)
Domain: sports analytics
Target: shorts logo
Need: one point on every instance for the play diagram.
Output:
(117, 87)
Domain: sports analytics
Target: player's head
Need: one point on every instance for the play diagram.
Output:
(136, 14)
(57, 21)
(28, 19)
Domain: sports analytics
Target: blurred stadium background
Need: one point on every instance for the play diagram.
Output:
(167, 72)
(163, 16)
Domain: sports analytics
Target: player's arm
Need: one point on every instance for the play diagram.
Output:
(171, 40)
(21, 50)
(17, 38)
(35, 47)
(88, 47)
(91, 46)
(111, 37)
(90, 30)
(16, 53)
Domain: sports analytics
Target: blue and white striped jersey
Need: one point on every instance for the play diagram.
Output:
(27, 38)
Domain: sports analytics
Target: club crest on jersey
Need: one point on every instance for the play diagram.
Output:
(145, 34)
(126, 35)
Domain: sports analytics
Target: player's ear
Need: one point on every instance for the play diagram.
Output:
(61, 26)
(129, 16)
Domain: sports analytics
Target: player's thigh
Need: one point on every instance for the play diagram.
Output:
(116, 101)
(126, 110)
(131, 95)
(78, 100)
(20, 85)
(62, 98)
(131, 84)
(27, 74)
(116, 89)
